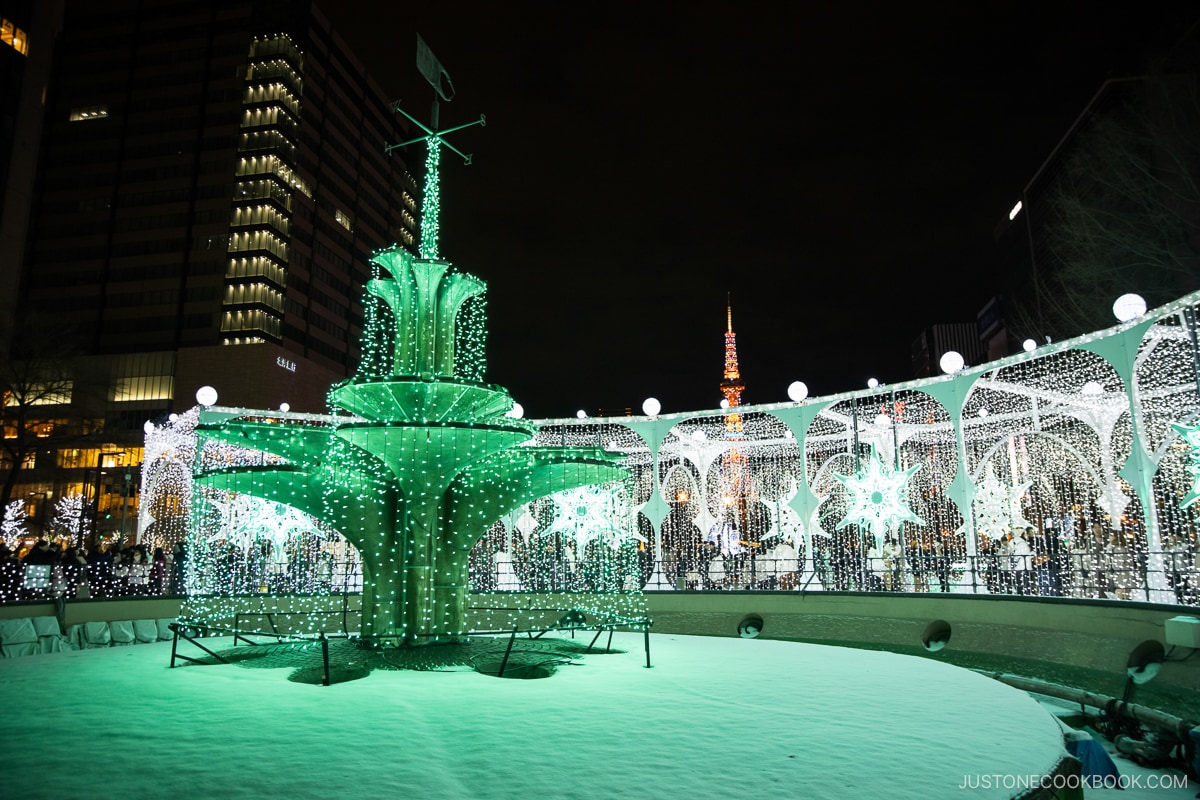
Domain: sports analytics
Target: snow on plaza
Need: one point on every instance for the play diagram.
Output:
(714, 718)
(430, 537)
(429, 499)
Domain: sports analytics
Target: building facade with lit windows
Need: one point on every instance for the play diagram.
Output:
(211, 185)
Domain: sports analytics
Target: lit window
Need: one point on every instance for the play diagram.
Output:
(14, 37)
(88, 113)
(343, 219)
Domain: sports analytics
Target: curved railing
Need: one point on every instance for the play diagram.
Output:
(1080, 453)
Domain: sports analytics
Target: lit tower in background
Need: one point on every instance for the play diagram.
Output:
(735, 485)
(732, 386)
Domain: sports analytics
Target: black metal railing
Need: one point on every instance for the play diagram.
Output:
(1160, 577)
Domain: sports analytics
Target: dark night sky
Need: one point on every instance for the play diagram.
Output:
(838, 167)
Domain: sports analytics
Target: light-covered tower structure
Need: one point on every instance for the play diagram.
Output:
(731, 386)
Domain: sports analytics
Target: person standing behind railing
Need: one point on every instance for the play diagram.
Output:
(943, 560)
(1096, 562)
(1041, 579)
(918, 557)
(139, 573)
(1179, 558)
(873, 579)
(893, 565)
(158, 571)
(1119, 566)
(178, 562)
(1020, 555)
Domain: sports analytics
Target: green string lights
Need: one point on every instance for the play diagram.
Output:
(413, 468)
(431, 205)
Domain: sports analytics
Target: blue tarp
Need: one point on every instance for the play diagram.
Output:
(1095, 760)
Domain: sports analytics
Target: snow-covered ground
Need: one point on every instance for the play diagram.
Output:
(714, 718)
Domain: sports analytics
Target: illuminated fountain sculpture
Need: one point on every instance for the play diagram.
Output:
(423, 463)
(429, 456)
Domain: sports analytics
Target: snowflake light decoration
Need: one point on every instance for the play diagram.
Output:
(593, 513)
(1191, 434)
(877, 497)
(997, 507)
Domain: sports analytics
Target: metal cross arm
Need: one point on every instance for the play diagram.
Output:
(438, 135)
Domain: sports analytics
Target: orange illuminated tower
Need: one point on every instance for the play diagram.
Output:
(732, 386)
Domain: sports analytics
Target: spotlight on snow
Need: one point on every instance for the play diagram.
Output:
(750, 626)
(651, 407)
(1128, 307)
(1145, 662)
(1029, 345)
(518, 411)
(173, 417)
(148, 427)
(983, 412)
(936, 635)
(1091, 389)
(581, 414)
(797, 391)
(206, 396)
(951, 362)
(872, 383)
(698, 435)
(883, 420)
(285, 407)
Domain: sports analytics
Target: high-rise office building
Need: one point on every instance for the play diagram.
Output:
(211, 185)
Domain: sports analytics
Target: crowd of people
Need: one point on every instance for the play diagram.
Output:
(1095, 562)
(50, 569)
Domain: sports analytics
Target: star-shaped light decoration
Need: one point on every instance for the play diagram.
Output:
(997, 506)
(593, 513)
(878, 497)
(1191, 434)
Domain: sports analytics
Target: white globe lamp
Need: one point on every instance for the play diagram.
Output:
(581, 414)
(516, 412)
(797, 391)
(651, 407)
(1129, 307)
(951, 362)
(872, 383)
(1029, 345)
(206, 396)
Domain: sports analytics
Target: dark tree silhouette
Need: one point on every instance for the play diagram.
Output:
(1124, 212)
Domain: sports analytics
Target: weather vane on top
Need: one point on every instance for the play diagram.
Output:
(439, 79)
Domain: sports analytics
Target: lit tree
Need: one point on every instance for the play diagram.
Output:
(15, 519)
(69, 518)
